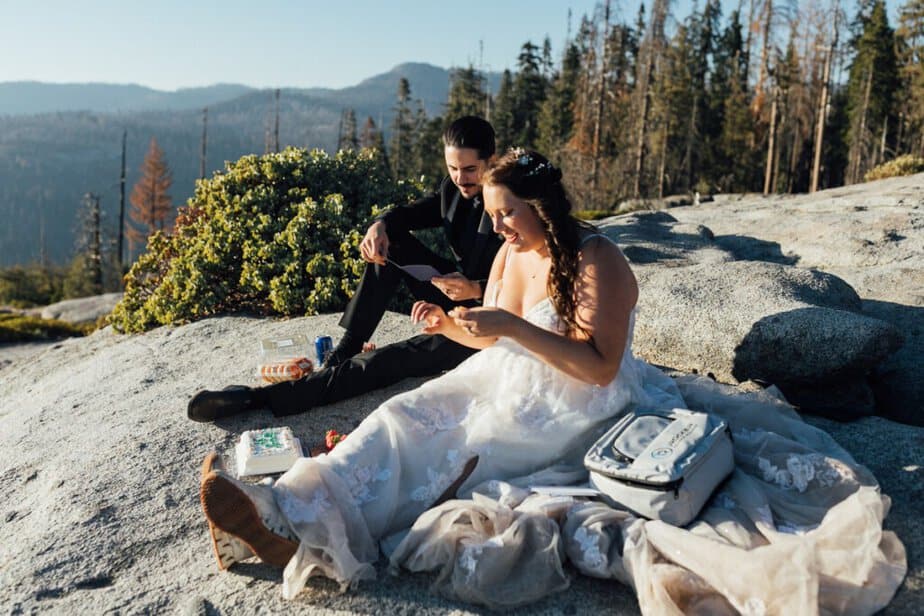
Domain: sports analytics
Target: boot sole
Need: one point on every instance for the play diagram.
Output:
(230, 511)
(227, 548)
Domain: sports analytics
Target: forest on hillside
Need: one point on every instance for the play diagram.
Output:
(774, 97)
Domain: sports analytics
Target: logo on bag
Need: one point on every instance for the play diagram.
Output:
(661, 452)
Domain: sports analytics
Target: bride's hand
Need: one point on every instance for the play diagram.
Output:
(484, 321)
(434, 317)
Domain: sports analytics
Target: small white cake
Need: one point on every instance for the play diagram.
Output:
(271, 450)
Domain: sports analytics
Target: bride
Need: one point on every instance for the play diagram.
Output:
(436, 475)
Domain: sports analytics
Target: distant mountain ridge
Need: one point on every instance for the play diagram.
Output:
(30, 97)
(35, 97)
(49, 159)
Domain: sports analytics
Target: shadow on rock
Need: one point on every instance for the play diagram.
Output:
(747, 248)
(821, 358)
(898, 381)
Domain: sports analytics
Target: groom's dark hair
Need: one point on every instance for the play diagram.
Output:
(471, 132)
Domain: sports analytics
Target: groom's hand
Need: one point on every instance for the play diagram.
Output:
(457, 287)
(374, 247)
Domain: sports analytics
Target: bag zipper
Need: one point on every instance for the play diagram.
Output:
(669, 486)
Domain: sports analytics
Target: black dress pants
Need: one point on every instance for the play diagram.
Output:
(422, 355)
(379, 283)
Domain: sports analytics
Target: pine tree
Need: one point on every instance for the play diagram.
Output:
(556, 116)
(731, 162)
(529, 87)
(503, 115)
(347, 139)
(403, 134)
(150, 200)
(467, 95)
(85, 274)
(672, 106)
(548, 65)
(428, 151)
(872, 87)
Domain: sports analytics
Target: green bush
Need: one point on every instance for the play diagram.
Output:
(907, 164)
(31, 285)
(273, 234)
(21, 328)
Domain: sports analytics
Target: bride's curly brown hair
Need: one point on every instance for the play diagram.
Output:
(531, 177)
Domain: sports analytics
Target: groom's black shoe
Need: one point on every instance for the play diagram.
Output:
(208, 406)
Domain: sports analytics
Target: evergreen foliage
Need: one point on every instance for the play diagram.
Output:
(93, 268)
(467, 94)
(403, 131)
(556, 116)
(428, 152)
(502, 116)
(643, 107)
(273, 234)
(871, 90)
(348, 139)
(31, 285)
(528, 92)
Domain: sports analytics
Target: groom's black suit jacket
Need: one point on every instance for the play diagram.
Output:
(468, 228)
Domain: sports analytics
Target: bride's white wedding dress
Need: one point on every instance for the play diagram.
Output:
(796, 530)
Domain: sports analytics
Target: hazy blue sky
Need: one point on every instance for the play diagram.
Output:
(169, 44)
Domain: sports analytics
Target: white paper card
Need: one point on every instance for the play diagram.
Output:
(420, 272)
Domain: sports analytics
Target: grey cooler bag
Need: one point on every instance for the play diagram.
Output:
(663, 465)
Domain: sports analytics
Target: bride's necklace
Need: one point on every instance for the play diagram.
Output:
(542, 265)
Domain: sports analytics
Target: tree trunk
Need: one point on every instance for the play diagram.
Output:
(771, 145)
(598, 111)
(764, 49)
(663, 162)
(860, 136)
(822, 108)
(882, 142)
(775, 179)
(122, 207)
(651, 49)
(691, 132)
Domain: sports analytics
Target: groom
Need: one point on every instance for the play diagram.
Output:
(457, 208)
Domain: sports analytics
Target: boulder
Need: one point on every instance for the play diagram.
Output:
(656, 238)
(752, 320)
(82, 309)
(871, 235)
